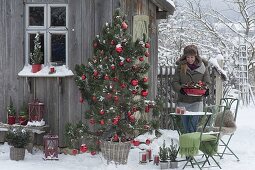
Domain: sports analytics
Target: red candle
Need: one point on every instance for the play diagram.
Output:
(144, 157)
(52, 69)
(156, 159)
(149, 153)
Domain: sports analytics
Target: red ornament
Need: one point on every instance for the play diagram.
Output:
(93, 153)
(92, 121)
(115, 79)
(83, 148)
(128, 60)
(129, 113)
(147, 141)
(95, 73)
(101, 122)
(134, 91)
(83, 77)
(106, 77)
(141, 58)
(112, 42)
(134, 82)
(147, 45)
(81, 100)
(115, 138)
(94, 98)
(124, 25)
(74, 152)
(144, 93)
(121, 63)
(123, 85)
(147, 54)
(112, 67)
(115, 120)
(136, 142)
(145, 79)
(119, 48)
(131, 118)
(147, 109)
(102, 112)
(116, 98)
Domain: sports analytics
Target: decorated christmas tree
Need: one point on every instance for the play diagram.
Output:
(115, 84)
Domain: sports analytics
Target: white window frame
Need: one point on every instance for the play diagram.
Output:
(47, 30)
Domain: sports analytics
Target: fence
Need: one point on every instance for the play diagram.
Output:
(167, 94)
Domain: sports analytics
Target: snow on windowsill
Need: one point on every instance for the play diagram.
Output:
(61, 71)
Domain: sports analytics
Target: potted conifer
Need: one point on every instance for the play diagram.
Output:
(163, 156)
(11, 113)
(37, 55)
(23, 115)
(18, 138)
(173, 152)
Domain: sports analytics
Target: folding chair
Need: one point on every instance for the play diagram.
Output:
(232, 105)
(206, 142)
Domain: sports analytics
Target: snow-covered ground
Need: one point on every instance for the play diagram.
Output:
(242, 143)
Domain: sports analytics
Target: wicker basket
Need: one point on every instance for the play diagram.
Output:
(17, 153)
(114, 151)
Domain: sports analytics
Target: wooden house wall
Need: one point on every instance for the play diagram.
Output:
(61, 95)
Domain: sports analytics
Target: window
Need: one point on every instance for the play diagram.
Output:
(51, 22)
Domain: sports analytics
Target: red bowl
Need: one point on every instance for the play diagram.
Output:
(195, 92)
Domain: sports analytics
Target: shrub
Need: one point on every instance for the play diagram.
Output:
(18, 137)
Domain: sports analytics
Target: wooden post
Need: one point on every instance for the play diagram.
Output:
(219, 85)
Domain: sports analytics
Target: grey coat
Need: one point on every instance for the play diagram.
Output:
(180, 79)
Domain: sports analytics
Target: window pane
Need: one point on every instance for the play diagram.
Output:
(58, 16)
(36, 16)
(58, 49)
(31, 45)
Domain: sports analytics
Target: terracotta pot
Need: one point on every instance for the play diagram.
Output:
(36, 68)
(11, 120)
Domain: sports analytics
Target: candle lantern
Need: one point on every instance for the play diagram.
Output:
(50, 147)
(143, 157)
(35, 110)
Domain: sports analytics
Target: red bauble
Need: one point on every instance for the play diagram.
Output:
(106, 77)
(83, 148)
(74, 152)
(83, 77)
(147, 54)
(95, 73)
(81, 100)
(144, 93)
(115, 120)
(147, 45)
(118, 49)
(129, 113)
(102, 112)
(115, 138)
(112, 42)
(94, 98)
(131, 118)
(115, 79)
(134, 91)
(124, 25)
(145, 79)
(141, 58)
(147, 141)
(128, 60)
(93, 153)
(134, 82)
(121, 63)
(123, 85)
(112, 67)
(116, 98)
(101, 122)
(147, 109)
(92, 121)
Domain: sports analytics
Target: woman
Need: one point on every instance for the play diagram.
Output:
(190, 68)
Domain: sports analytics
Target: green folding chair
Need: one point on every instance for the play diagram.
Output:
(206, 142)
(232, 105)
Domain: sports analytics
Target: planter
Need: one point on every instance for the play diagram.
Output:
(115, 151)
(173, 164)
(11, 120)
(36, 67)
(17, 153)
(23, 120)
(164, 164)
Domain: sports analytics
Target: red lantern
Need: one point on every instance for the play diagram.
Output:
(35, 110)
(50, 147)
(83, 148)
(134, 82)
(144, 93)
(124, 25)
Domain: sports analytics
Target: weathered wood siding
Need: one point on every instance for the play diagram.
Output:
(61, 95)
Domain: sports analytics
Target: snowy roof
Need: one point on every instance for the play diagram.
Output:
(165, 5)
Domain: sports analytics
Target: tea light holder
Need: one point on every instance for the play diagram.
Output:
(143, 157)
(178, 110)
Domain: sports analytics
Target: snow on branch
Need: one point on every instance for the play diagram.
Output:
(216, 66)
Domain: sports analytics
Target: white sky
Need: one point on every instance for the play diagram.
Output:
(242, 143)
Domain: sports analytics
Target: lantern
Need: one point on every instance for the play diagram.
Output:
(143, 157)
(50, 147)
(35, 110)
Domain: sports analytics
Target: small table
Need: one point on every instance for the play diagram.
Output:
(188, 113)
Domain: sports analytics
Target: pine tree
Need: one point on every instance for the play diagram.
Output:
(114, 82)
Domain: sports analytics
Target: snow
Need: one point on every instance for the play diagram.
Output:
(36, 123)
(171, 2)
(242, 144)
